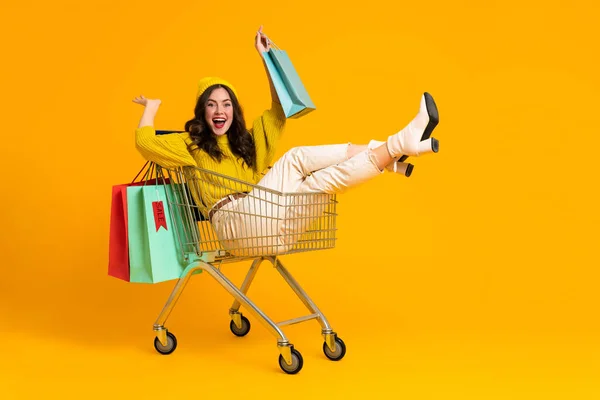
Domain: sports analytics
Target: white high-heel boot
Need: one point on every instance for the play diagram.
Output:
(414, 139)
(396, 166)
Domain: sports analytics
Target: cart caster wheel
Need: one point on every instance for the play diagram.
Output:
(243, 331)
(340, 350)
(297, 363)
(170, 346)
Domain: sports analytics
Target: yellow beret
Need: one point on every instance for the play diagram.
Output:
(207, 82)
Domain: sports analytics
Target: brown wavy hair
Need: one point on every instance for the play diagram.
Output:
(240, 140)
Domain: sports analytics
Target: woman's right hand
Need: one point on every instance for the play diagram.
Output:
(147, 102)
(150, 110)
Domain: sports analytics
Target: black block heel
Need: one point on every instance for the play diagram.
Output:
(434, 119)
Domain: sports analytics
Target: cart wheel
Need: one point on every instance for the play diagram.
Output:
(243, 331)
(340, 350)
(297, 363)
(170, 346)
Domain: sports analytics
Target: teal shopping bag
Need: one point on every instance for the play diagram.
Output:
(292, 94)
(153, 246)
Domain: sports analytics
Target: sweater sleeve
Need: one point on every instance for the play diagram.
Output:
(266, 130)
(166, 150)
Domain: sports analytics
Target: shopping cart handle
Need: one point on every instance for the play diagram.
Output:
(167, 132)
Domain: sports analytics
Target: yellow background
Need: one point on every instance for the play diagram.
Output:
(475, 278)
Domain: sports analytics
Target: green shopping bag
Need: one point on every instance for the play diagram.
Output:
(292, 94)
(153, 246)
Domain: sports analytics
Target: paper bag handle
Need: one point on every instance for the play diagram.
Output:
(148, 174)
(272, 43)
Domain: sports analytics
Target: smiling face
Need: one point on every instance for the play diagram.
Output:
(218, 112)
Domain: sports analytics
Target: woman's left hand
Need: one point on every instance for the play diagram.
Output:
(262, 43)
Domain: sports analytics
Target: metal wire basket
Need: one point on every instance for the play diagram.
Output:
(257, 222)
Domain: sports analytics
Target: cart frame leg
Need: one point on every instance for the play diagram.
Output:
(240, 297)
(328, 334)
(159, 325)
(236, 316)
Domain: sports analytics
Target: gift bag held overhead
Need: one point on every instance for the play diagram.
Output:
(154, 253)
(292, 94)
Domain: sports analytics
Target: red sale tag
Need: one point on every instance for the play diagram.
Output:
(159, 215)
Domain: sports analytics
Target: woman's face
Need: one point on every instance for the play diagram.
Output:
(219, 111)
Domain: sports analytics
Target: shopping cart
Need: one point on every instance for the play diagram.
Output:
(267, 224)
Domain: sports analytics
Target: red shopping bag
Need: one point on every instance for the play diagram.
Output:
(118, 247)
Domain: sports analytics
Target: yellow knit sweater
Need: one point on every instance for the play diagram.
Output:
(171, 151)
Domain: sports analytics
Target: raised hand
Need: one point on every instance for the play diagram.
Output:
(150, 110)
(262, 43)
(146, 102)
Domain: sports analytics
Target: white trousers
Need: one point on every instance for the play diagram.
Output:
(266, 223)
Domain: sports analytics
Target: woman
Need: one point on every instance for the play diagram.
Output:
(261, 222)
